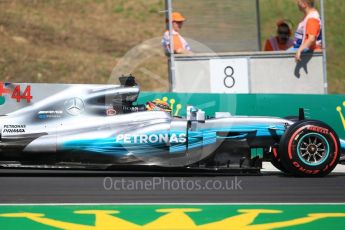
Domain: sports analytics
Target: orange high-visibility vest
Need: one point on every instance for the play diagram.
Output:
(311, 24)
(273, 45)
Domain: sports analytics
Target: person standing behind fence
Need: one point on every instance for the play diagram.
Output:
(282, 41)
(180, 44)
(308, 36)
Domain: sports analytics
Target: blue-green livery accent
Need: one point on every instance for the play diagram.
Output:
(196, 139)
(2, 100)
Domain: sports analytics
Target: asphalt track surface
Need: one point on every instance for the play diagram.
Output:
(111, 187)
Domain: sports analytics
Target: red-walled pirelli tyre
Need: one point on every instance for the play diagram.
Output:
(276, 162)
(309, 148)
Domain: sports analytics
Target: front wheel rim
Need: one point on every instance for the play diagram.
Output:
(313, 149)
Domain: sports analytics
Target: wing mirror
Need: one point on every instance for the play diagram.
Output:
(195, 114)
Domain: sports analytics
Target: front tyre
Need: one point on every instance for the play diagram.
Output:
(309, 148)
(276, 162)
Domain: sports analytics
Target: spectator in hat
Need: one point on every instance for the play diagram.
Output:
(282, 41)
(180, 44)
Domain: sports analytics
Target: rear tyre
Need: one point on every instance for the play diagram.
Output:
(309, 148)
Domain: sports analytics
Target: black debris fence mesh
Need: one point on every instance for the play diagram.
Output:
(221, 25)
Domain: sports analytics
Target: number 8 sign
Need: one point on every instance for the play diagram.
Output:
(229, 75)
(229, 80)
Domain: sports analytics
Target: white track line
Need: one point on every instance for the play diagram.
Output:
(268, 167)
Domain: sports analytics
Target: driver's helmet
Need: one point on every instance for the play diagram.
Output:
(158, 105)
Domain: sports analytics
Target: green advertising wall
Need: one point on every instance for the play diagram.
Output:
(327, 108)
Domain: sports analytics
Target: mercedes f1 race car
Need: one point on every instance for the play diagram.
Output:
(101, 127)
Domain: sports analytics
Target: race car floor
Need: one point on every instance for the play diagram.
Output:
(271, 187)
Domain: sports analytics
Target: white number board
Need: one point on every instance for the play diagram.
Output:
(229, 75)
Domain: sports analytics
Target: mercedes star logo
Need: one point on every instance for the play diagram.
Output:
(74, 106)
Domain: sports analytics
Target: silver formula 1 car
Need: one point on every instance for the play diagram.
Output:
(100, 127)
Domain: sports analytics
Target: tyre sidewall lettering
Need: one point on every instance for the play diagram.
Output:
(307, 171)
(290, 150)
(297, 163)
